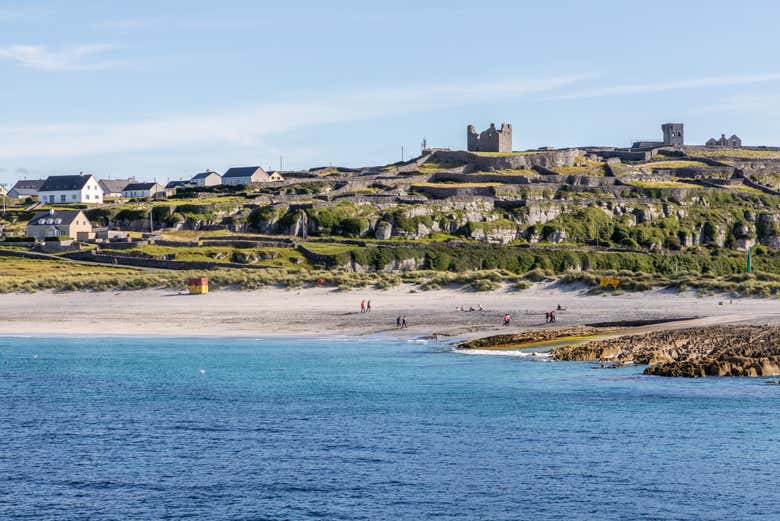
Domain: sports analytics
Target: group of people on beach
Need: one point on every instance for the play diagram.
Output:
(550, 316)
(365, 306)
(400, 322)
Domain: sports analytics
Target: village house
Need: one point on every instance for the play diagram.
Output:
(80, 188)
(115, 187)
(275, 176)
(59, 223)
(139, 190)
(172, 186)
(25, 188)
(207, 178)
(245, 175)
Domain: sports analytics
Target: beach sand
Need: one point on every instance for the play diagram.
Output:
(326, 312)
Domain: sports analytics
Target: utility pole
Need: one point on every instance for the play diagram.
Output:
(281, 163)
(402, 153)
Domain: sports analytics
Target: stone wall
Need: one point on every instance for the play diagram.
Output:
(516, 161)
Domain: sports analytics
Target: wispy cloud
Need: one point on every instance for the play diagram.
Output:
(745, 103)
(246, 126)
(648, 88)
(41, 57)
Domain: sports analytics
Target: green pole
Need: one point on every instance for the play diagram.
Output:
(749, 259)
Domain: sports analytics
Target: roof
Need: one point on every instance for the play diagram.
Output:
(55, 183)
(28, 184)
(137, 187)
(243, 171)
(114, 186)
(204, 175)
(65, 216)
(176, 184)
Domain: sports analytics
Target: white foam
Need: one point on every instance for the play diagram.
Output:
(492, 352)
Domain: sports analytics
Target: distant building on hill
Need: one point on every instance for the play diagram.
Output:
(490, 140)
(114, 187)
(673, 134)
(207, 178)
(732, 142)
(59, 223)
(79, 188)
(244, 175)
(25, 188)
(141, 190)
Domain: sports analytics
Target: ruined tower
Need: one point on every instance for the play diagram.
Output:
(673, 134)
(490, 140)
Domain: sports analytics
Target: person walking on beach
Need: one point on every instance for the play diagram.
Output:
(506, 319)
(362, 306)
(368, 307)
(398, 322)
(552, 316)
(547, 317)
(403, 322)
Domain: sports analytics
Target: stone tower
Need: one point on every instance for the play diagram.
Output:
(673, 134)
(490, 140)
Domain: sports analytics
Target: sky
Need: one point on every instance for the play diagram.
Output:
(165, 89)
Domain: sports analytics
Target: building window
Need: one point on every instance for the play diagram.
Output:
(63, 198)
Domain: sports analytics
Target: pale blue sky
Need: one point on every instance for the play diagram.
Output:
(164, 89)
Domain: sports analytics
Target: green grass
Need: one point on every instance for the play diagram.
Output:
(736, 153)
(674, 164)
(457, 185)
(663, 184)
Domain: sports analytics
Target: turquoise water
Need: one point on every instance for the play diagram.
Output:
(121, 428)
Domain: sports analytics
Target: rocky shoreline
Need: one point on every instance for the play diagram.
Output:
(693, 352)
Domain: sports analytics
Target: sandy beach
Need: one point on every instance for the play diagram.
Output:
(325, 312)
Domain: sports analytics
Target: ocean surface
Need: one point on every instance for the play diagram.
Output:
(126, 428)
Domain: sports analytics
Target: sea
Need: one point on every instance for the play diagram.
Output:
(370, 429)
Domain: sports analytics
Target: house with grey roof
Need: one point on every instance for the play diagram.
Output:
(25, 188)
(79, 188)
(207, 178)
(139, 190)
(174, 185)
(59, 223)
(244, 175)
(114, 187)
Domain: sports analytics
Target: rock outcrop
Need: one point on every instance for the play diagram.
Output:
(694, 352)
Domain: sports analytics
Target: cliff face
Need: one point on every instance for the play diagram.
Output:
(695, 352)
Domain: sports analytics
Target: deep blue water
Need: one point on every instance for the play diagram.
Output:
(301, 429)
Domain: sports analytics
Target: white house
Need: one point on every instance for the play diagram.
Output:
(81, 188)
(207, 178)
(114, 187)
(245, 175)
(137, 190)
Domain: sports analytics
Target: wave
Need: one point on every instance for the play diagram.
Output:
(497, 352)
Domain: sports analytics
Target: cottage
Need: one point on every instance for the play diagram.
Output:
(80, 188)
(115, 187)
(245, 175)
(207, 178)
(275, 176)
(139, 190)
(175, 185)
(26, 188)
(59, 223)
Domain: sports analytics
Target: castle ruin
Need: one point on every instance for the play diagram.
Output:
(673, 134)
(490, 140)
(731, 142)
